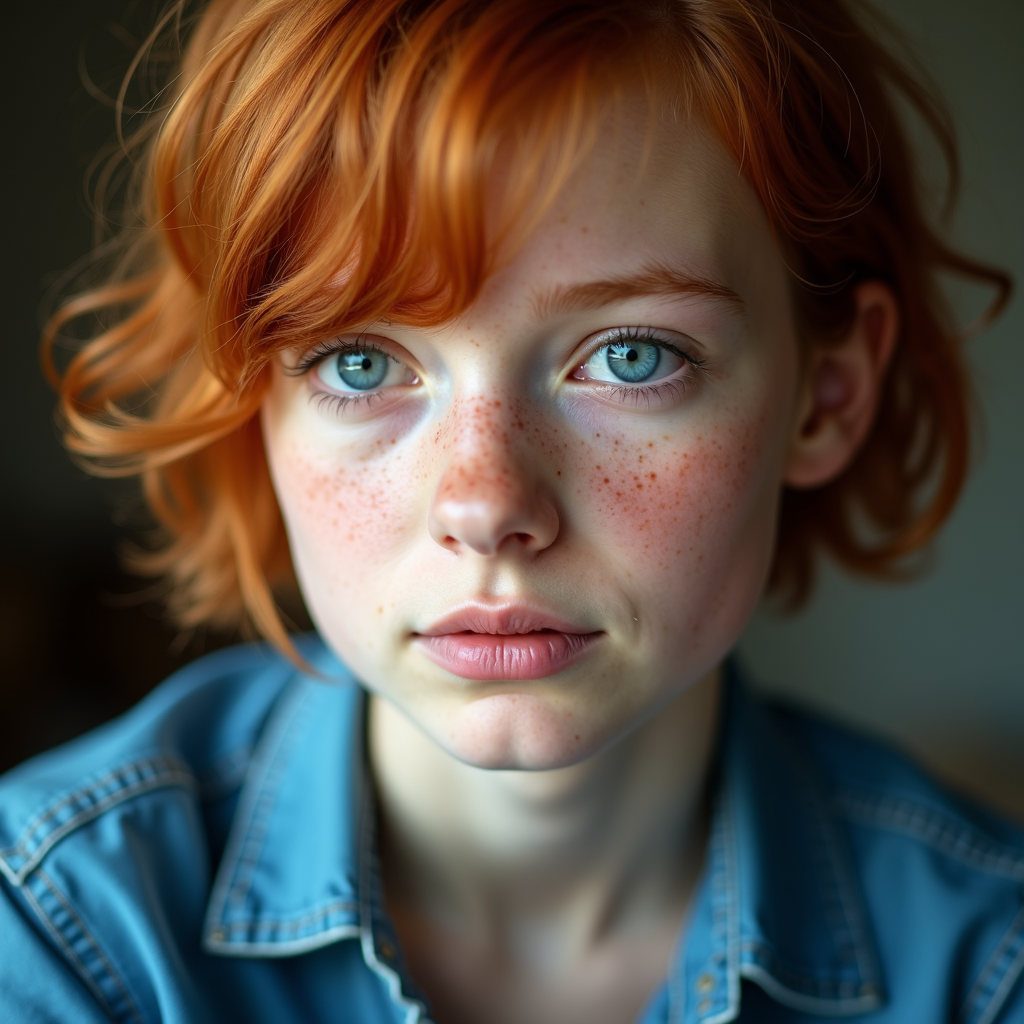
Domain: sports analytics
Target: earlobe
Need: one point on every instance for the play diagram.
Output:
(841, 389)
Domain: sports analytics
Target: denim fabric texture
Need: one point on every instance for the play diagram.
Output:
(210, 858)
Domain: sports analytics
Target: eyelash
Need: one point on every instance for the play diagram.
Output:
(643, 394)
(320, 352)
(635, 394)
(336, 403)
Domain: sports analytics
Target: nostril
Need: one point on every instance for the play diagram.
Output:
(487, 512)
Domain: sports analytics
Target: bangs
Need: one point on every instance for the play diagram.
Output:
(370, 163)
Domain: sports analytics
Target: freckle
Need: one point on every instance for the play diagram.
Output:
(380, 609)
(576, 738)
(606, 480)
(654, 476)
(559, 472)
(597, 435)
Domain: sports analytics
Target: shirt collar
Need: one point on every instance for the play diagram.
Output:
(289, 878)
(779, 902)
(299, 870)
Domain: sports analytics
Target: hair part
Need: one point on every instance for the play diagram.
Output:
(322, 164)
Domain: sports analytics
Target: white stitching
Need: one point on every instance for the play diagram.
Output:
(724, 837)
(136, 767)
(855, 916)
(1000, 995)
(279, 949)
(288, 925)
(151, 782)
(415, 1011)
(1013, 935)
(264, 759)
(80, 924)
(936, 829)
(68, 952)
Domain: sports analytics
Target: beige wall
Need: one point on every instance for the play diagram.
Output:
(939, 664)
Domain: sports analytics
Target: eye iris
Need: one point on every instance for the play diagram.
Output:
(362, 370)
(633, 362)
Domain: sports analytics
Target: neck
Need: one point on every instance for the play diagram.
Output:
(551, 863)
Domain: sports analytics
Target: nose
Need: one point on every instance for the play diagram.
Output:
(489, 495)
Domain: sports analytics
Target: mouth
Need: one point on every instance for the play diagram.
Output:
(510, 642)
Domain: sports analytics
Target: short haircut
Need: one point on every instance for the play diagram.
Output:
(321, 164)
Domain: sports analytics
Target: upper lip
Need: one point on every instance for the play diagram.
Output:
(502, 620)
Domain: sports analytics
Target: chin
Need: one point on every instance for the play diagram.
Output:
(519, 732)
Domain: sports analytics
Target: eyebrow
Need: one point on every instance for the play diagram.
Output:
(654, 279)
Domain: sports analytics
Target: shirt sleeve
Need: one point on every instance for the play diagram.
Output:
(36, 984)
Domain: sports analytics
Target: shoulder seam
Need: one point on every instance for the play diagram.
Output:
(941, 832)
(65, 946)
(994, 984)
(82, 805)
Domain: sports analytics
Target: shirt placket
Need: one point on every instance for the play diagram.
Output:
(381, 950)
(704, 978)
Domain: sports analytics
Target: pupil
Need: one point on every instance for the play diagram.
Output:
(632, 363)
(364, 370)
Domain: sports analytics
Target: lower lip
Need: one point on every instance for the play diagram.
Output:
(499, 656)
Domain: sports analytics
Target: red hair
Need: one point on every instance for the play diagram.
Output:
(328, 163)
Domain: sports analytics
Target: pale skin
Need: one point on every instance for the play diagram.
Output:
(541, 837)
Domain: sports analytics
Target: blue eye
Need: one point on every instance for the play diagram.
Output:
(632, 362)
(361, 369)
(631, 356)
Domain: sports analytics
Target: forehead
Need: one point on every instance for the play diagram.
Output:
(653, 198)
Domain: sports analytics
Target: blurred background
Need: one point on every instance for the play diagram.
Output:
(936, 665)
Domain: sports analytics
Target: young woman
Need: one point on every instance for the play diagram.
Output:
(535, 339)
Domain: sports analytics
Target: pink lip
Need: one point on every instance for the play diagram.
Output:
(511, 642)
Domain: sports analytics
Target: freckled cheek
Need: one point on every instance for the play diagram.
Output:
(659, 500)
(344, 511)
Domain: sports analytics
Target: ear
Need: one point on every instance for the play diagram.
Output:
(840, 390)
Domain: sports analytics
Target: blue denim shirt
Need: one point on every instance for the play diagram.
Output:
(210, 857)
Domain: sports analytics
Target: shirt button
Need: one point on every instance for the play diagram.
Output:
(703, 1007)
(218, 935)
(705, 983)
(387, 950)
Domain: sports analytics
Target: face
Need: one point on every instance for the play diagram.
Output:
(536, 526)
